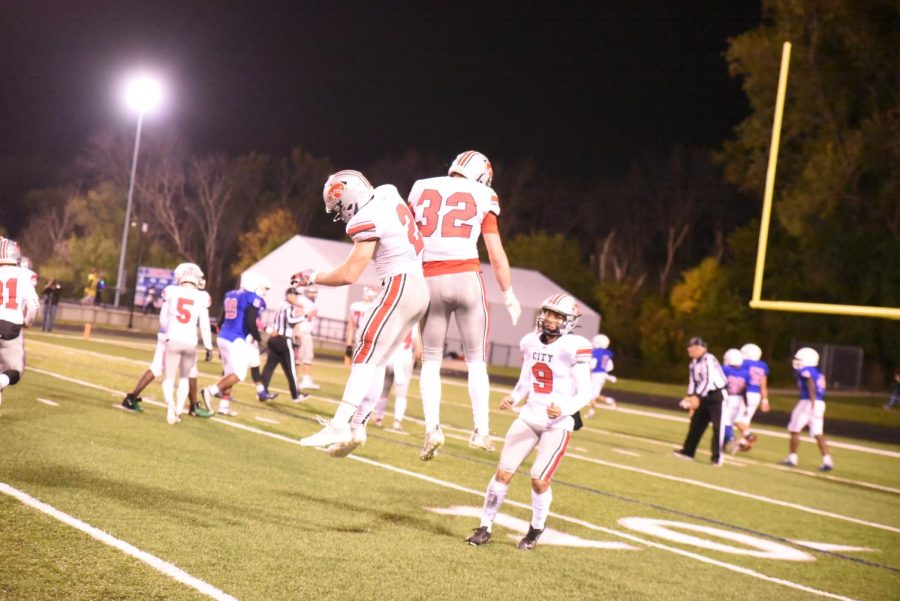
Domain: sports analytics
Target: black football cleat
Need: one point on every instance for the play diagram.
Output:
(530, 540)
(132, 403)
(481, 536)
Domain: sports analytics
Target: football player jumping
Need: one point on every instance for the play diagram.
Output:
(453, 212)
(383, 232)
(184, 308)
(556, 380)
(19, 308)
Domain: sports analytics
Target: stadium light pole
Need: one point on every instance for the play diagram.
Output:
(143, 93)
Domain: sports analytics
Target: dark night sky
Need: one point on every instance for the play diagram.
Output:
(581, 87)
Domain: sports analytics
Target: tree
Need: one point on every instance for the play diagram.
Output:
(557, 257)
(272, 230)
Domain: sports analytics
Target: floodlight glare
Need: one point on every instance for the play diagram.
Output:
(143, 93)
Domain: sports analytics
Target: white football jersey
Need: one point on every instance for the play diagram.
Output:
(357, 310)
(183, 309)
(310, 312)
(449, 212)
(548, 373)
(386, 218)
(19, 301)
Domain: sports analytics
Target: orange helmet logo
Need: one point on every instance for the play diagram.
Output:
(336, 191)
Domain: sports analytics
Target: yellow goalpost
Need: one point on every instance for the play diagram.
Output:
(756, 302)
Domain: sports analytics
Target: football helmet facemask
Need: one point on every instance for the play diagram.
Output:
(473, 165)
(563, 305)
(9, 252)
(345, 193)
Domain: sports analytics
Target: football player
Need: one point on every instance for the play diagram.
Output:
(132, 400)
(453, 212)
(241, 310)
(556, 382)
(306, 304)
(601, 366)
(384, 232)
(357, 310)
(757, 395)
(735, 401)
(810, 409)
(19, 308)
(184, 308)
(398, 375)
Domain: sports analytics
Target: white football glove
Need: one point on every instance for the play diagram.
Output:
(512, 305)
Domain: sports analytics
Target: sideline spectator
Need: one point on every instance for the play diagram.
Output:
(895, 390)
(90, 290)
(50, 296)
(150, 301)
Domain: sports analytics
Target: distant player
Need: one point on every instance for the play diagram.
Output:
(357, 311)
(383, 232)
(308, 308)
(556, 381)
(185, 308)
(453, 212)
(601, 368)
(17, 311)
(399, 375)
(757, 396)
(810, 409)
(132, 400)
(736, 376)
(239, 319)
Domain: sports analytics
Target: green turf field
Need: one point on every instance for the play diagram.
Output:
(233, 507)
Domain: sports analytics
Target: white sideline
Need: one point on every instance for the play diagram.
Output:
(561, 517)
(154, 562)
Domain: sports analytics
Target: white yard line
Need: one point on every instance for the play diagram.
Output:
(170, 570)
(624, 452)
(266, 420)
(47, 402)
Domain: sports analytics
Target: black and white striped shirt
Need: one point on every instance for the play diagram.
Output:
(285, 319)
(705, 375)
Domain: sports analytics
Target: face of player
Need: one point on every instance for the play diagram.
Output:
(552, 323)
(695, 351)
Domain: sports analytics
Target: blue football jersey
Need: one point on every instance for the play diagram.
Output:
(236, 304)
(756, 370)
(804, 375)
(600, 360)
(737, 379)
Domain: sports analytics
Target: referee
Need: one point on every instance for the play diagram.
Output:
(280, 345)
(704, 399)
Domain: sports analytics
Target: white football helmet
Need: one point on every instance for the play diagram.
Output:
(311, 291)
(250, 280)
(600, 341)
(369, 294)
(562, 304)
(9, 252)
(733, 357)
(751, 351)
(345, 193)
(474, 166)
(805, 357)
(189, 273)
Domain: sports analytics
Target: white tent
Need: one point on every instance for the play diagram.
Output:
(302, 252)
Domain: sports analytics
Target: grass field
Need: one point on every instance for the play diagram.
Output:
(232, 507)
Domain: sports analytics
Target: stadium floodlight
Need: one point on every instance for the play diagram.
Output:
(143, 93)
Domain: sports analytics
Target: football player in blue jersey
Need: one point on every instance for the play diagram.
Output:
(757, 395)
(241, 309)
(601, 368)
(810, 409)
(732, 365)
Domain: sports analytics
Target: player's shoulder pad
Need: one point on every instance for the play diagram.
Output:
(578, 347)
(527, 340)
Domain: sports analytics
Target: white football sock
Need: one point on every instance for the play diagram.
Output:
(381, 407)
(181, 395)
(4, 381)
(493, 499)
(213, 390)
(430, 389)
(540, 508)
(358, 385)
(371, 399)
(399, 408)
(826, 459)
(260, 388)
(168, 388)
(792, 457)
(479, 392)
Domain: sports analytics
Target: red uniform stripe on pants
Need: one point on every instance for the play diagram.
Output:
(557, 457)
(373, 328)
